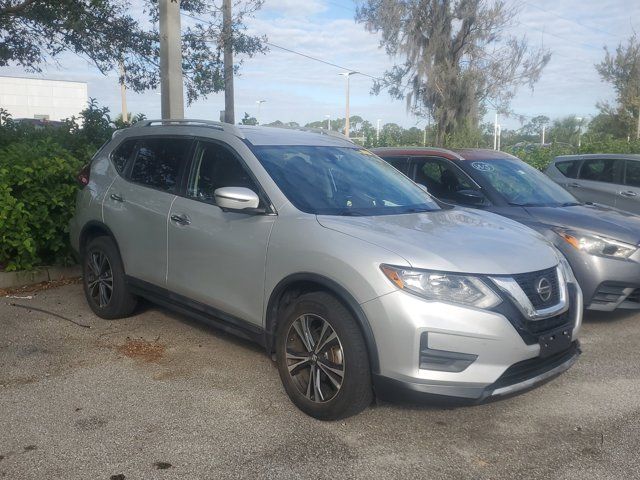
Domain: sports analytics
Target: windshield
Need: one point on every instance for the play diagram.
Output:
(341, 181)
(522, 185)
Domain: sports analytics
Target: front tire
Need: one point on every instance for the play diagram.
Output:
(104, 281)
(322, 358)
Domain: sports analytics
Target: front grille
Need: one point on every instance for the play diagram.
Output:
(546, 325)
(609, 292)
(634, 296)
(531, 330)
(529, 282)
(532, 367)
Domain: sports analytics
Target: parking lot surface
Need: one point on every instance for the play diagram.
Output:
(160, 396)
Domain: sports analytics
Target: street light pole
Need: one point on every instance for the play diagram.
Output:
(346, 120)
(171, 96)
(378, 131)
(328, 117)
(259, 102)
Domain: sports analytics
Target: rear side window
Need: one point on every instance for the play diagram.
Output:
(632, 176)
(158, 161)
(121, 155)
(600, 169)
(569, 168)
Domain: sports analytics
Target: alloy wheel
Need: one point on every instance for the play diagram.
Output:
(99, 278)
(315, 358)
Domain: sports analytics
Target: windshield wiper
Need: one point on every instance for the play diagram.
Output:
(351, 213)
(570, 204)
(515, 204)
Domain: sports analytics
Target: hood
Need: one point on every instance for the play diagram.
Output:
(598, 219)
(455, 240)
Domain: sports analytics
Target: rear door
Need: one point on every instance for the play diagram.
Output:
(137, 205)
(598, 181)
(215, 257)
(629, 192)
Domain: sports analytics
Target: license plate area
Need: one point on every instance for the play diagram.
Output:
(555, 342)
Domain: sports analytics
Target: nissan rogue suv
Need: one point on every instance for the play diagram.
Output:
(350, 274)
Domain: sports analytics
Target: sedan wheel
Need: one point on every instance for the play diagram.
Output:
(99, 278)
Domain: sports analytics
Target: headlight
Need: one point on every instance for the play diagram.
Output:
(596, 245)
(445, 287)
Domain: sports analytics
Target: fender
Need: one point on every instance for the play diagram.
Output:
(340, 292)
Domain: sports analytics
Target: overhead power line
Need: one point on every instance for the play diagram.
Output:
(310, 57)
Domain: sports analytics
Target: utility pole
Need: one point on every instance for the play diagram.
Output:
(259, 102)
(543, 129)
(495, 132)
(171, 96)
(638, 125)
(378, 131)
(499, 135)
(346, 120)
(328, 122)
(229, 109)
(123, 94)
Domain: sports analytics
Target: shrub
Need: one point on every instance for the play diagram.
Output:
(37, 189)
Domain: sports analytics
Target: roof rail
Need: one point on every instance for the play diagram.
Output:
(188, 122)
(321, 131)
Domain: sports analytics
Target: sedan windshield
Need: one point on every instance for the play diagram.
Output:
(341, 181)
(522, 185)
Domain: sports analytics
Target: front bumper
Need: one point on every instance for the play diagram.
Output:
(607, 283)
(507, 357)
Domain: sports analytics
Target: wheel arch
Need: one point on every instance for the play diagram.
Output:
(95, 229)
(296, 284)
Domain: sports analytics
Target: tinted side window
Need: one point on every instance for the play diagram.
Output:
(214, 167)
(400, 163)
(569, 169)
(158, 162)
(121, 155)
(442, 178)
(632, 176)
(600, 169)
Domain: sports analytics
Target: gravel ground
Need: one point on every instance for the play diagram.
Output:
(160, 396)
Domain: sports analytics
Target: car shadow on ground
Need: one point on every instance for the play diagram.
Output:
(207, 328)
(594, 316)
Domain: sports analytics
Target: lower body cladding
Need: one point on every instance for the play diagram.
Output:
(436, 351)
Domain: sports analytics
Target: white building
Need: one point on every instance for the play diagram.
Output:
(42, 99)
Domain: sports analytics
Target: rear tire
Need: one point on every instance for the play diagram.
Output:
(104, 281)
(322, 358)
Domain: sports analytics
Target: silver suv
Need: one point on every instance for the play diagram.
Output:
(356, 279)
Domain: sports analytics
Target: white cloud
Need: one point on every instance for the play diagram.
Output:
(294, 8)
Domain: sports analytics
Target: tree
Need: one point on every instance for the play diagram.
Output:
(567, 130)
(622, 71)
(34, 32)
(248, 120)
(457, 58)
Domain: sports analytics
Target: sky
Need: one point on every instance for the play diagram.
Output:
(302, 90)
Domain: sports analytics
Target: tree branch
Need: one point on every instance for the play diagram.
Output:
(15, 9)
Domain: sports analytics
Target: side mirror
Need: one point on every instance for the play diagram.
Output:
(237, 199)
(470, 197)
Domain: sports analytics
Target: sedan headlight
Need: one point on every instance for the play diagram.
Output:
(596, 245)
(444, 287)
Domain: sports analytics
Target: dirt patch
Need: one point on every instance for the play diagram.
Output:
(39, 287)
(142, 350)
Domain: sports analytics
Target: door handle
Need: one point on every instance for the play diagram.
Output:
(574, 185)
(116, 197)
(181, 219)
(628, 193)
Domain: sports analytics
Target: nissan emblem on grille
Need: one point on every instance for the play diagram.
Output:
(543, 287)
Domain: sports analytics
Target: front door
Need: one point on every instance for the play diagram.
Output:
(215, 257)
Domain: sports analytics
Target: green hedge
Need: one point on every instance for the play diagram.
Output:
(37, 190)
